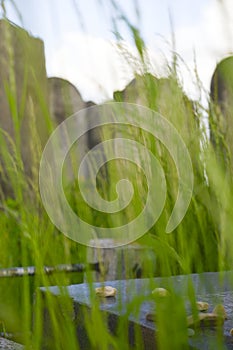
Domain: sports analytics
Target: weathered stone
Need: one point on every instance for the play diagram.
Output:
(23, 94)
(64, 99)
(221, 88)
(207, 286)
(31, 104)
(221, 116)
(166, 97)
(6, 344)
(124, 262)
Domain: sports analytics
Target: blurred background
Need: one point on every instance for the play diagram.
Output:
(161, 54)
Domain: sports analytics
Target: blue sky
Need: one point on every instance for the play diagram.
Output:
(80, 44)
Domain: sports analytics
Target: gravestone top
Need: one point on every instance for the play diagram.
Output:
(214, 288)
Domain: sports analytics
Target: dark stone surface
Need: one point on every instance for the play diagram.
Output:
(215, 288)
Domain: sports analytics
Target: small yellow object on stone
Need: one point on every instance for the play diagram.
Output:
(202, 306)
(206, 319)
(231, 332)
(191, 332)
(106, 291)
(220, 311)
(160, 292)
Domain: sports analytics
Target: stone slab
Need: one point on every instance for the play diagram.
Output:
(6, 344)
(214, 288)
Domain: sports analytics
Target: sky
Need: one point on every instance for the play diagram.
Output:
(80, 44)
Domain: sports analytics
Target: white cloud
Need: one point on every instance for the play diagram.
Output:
(210, 38)
(89, 63)
(92, 64)
(97, 69)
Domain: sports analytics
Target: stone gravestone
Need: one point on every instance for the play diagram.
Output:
(29, 102)
(65, 101)
(165, 96)
(23, 95)
(221, 115)
(128, 261)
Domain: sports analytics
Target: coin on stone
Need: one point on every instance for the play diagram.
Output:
(160, 292)
(202, 305)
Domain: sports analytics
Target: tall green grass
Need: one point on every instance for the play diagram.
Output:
(202, 242)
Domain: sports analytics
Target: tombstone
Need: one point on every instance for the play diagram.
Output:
(163, 95)
(124, 262)
(30, 102)
(23, 95)
(221, 116)
(166, 97)
(65, 101)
